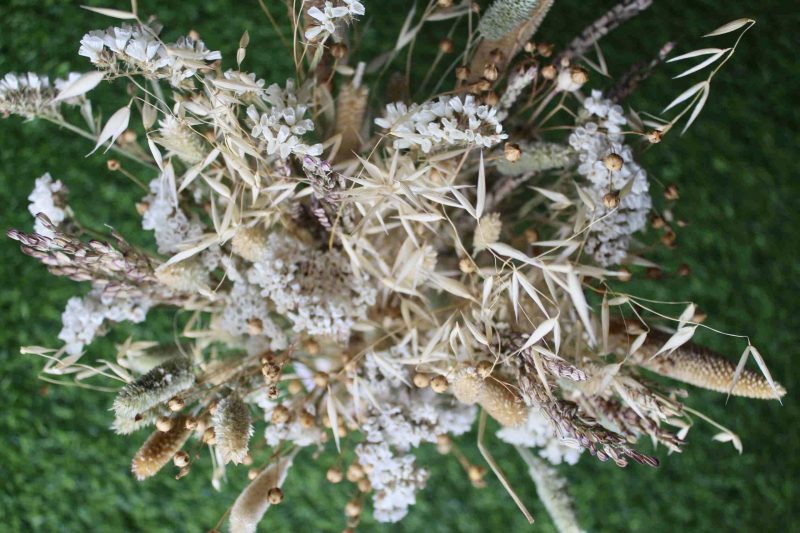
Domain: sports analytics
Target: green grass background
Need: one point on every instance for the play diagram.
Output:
(62, 470)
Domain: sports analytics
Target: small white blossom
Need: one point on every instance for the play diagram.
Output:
(327, 17)
(539, 432)
(47, 198)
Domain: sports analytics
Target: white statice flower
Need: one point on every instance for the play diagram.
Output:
(138, 49)
(245, 311)
(394, 477)
(327, 17)
(316, 290)
(47, 198)
(83, 318)
(442, 123)
(31, 95)
(538, 432)
(169, 223)
(283, 123)
(599, 135)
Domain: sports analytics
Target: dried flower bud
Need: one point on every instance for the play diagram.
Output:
(531, 235)
(307, 420)
(439, 384)
(491, 98)
(613, 162)
(579, 75)
(180, 459)
(158, 450)
(529, 47)
(466, 266)
(334, 475)
(155, 387)
(475, 472)
(354, 472)
(490, 72)
(624, 274)
(311, 347)
(176, 404)
(321, 379)
(611, 200)
(421, 380)
(275, 495)
(671, 192)
(209, 437)
(295, 387)
(280, 415)
(271, 372)
(657, 222)
(364, 485)
(113, 165)
(462, 73)
(445, 3)
(446, 46)
(549, 72)
(654, 136)
(545, 49)
(352, 508)
(190, 423)
(339, 50)
(255, 327)
(668, 238)
(253, 473)
(512, 152)
(233, 429)
(164, 423)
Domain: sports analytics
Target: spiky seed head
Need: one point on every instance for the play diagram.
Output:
(334, 475)
(275, 495)
(249, 243)
(155, 387)
(439, 384)
(186, 276)
(253, 502)
(158, 450)
(503, 16)
(233, 429)
(613, 162)
(500, 401)
(421, 380)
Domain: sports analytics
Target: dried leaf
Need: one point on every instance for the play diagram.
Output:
(113, 128)
(82, 85)
(730, 26)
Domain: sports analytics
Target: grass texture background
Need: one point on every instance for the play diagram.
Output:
(61, 469)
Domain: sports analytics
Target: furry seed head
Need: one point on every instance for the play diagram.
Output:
(233, 429)
(156, 386)
(159, 449)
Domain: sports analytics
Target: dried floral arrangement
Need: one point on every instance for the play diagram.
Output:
(368, 275)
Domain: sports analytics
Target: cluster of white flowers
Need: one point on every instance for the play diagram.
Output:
(47, 198)
(83, 317)
(441, 123)
(292, 431)
(316, 290)
(169, 223)
(599, 136)
(29, 95)
(283, 123)
(140, 49)
(327, 17)
(247, 313)
(539, 432)
(394, 477)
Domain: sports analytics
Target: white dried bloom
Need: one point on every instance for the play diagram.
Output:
(283, 123)
(47, 198)
(31, 95)
(83, 318)
(316, 290)
(327, 17)
(487, 231)
(232, 428)
(169, 223)
(394, 477)
(601, 135)
(442, 123)
(539, 432)
(245, 303)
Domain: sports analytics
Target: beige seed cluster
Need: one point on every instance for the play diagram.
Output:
(159, 449)
(501, 402)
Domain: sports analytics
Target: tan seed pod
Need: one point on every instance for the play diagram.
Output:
(176, 404)
(275, 495)
(364, 485)
(159, 449)
(354, 472)
(321, 379)
(549, 72)
(280, 415)
(306, 419)
(512, 152)
(611, 200)
(190, 423)
(164, 423)
(295, 387)
(209, 437)
(352, 508)
(421, 380)
(334, 475)
(180, 459)
(233, 429)
(613, 162)
(446, 46)
(253, 502)
(444, 444)
(439, 384)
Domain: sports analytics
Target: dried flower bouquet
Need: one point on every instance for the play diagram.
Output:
(370, 276)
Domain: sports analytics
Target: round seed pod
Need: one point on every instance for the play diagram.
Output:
(439, 384)
(275, 495)
(421, 380)
(512, 152)
(180, 459)
(334, 475)
(158, 450)
(280, 415)
(352, 508)
(446, 46)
